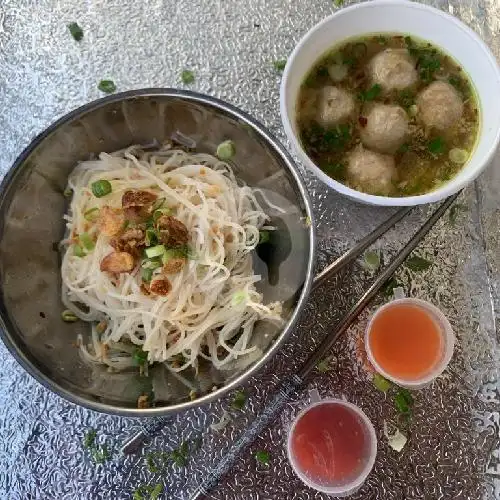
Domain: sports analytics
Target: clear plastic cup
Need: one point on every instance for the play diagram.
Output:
(368, 453)
(447, 344)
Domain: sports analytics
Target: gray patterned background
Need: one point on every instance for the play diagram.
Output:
(454, 441)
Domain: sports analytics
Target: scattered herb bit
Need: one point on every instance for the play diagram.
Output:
(336, 170)
(327, 140)
(68, 192)
(239, 400)
(308, 221)
(390, 285)
(280, 64)
(371, 260)
(338, 3)
(325, 365)
(262, 457)
(148, 492)
(455, 210)
(151, 237)
(100, 453)
(406, 99)
(180, 455)
(139, 356)
(101, 188)
(264, 237)
(78, 251)
(69, 316)
(403, 401)
(91, 215)
(417, 263)
(381, 383)
(156, 251)
(76, 31)
(436, 146)
(187, 76)
(87, 241)
(226, 150)
(370, 94)
(146, 274)
(107, 86)
(89, 438)
(239, 297)
(428, 62)
(152, 461)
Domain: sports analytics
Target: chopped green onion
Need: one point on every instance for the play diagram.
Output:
(226, 150)
(279, 65)
(159, 212)
(69, 316)
(436, 146)
(139, 356)
(239, 297)
(239, 400)
(179, 455)
(101, 188)
(325, 365)
(262, 457)
(187, 76)
(403, 400)
(156, 251)
(147, 492)
(417, 263)
(78, 251)
(87, 241)
(458, 156)
(173, 253)
(101, 454)
(151, 264)
(151, 237)
(76, 31)
(371, 260)
(68, 192)
(147, 274)
(338, 3)
(91, 215)
(371, 94)
(89, 438)
(107, 86)
(264, 236)
(381, 383)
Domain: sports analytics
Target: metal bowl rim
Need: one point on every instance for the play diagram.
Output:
(271, 140)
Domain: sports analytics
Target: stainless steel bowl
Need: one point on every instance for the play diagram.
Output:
(31, 209)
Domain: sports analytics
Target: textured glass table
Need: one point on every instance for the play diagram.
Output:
(453, 450)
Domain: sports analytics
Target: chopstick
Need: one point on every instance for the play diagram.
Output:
(149, 429)
(294, 383)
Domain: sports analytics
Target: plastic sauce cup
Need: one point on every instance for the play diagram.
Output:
(384, 361)
(332, 446)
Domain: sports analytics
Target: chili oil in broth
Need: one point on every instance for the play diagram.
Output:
(427, 157)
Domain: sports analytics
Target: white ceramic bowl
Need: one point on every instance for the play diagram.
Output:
(424, 22)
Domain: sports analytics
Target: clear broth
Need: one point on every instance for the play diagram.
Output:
(422, 162)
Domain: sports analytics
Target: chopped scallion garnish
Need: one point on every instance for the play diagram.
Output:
(68, 192)
(381, 383)
(436, 146)
(107, 86)
(280, 64)
(78, 251)
(87, 241)
(226, 150)
(76, 31)
(187, 76)
(159, 212)
(101, 188)
(262, 457)
(91, 215)
(264, 236)
(151, 237)
(156, 251)
(417, 263)
(239, 297)
(147, 274)
(69, 316)
(403, 401)
(239, 399)
(139, 356)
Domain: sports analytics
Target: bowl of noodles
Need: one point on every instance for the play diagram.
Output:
(156, 249)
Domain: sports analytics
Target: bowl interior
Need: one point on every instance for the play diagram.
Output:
(426, 23)
(31, 223)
